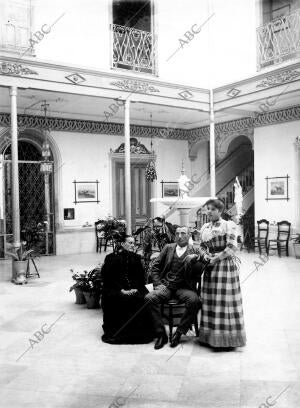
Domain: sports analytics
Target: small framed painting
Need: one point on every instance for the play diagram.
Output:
(69, 213)
(169, 189)
(86, 191)
(277, 188)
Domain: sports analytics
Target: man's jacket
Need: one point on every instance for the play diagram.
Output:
(162, 265)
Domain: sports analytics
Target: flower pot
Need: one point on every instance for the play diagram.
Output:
(80, 299)
(92, 300)
(19, 269)
(297, 249)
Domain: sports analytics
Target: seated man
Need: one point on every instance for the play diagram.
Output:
(173, 275)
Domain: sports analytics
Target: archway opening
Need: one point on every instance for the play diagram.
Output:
(36, 222)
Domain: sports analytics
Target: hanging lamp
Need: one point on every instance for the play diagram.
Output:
(150, 172)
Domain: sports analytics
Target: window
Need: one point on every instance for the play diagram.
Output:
(134, 44)
(15, 25)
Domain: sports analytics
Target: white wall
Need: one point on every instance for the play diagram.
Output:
(85, 157)
(200, 166)
(223, 51)
(274, 156)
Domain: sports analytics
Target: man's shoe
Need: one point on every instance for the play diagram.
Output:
(161, 341)
(175, 339)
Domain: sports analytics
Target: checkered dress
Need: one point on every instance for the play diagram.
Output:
(222, 323)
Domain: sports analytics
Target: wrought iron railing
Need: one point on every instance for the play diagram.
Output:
(133, 49)
(279, 40)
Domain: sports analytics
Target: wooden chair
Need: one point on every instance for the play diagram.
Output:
(101, 237)
(173, 313)
(282, 241)
(262, 235)
(174, 305)
(248, 228)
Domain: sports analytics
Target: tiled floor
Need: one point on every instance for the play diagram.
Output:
(70, 367)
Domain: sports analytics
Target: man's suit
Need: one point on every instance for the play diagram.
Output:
(180, 284)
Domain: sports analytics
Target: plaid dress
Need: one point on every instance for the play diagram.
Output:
(222, 322)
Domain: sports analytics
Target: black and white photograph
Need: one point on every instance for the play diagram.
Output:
(150, 203)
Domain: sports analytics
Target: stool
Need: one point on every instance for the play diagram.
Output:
(28, 274)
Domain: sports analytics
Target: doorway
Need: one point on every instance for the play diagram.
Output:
(37, 228)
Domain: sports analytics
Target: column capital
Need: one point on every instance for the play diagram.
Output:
(297, 144)
(13, 91)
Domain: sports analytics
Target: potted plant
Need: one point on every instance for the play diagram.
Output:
(87, 287)
(92, 288)
(78, 286)
(20, 258)
(296, 245)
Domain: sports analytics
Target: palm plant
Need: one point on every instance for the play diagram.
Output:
(20, 253)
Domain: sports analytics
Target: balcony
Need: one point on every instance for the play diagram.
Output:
(133, 49)
(279, 40)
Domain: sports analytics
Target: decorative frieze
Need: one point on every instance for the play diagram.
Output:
(7, 68)
(279, 78)
(89, 126)
(192, 135)
(135, 86)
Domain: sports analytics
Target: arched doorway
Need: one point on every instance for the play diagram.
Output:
(35, 188)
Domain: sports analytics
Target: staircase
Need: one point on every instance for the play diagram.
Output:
(226, 170)
(246, 179)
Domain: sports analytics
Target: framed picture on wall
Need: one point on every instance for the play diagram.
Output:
(69, 213)
(277, 188)
(169, 189)
(86, 191)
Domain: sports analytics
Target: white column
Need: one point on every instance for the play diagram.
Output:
(184, 216)
(127, 167)
(297, 185)
(14, 168)
(212, 145)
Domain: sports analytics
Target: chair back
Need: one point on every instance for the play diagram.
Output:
(284, 230)
(263, 228)
(99, 225)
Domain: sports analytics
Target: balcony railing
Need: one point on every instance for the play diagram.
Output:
(279, 40)
(133, 49)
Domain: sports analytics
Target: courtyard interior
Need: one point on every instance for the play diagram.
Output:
(71, 367)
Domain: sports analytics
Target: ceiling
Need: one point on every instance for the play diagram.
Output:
(65, 105)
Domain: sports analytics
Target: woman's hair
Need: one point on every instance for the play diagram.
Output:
(218, 203)
(122, 237)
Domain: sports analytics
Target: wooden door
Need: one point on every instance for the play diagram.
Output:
(140, 193)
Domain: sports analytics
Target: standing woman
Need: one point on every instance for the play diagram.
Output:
(222, 322)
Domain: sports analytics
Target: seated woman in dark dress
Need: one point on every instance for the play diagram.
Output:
(126, 318)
